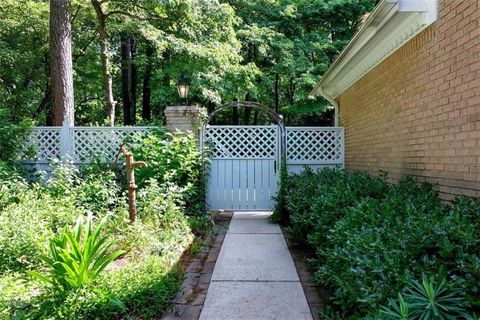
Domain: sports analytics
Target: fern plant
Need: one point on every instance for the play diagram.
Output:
(78, 256)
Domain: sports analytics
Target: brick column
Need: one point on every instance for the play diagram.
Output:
(184, 118)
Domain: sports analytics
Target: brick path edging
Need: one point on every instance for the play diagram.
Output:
(189, 300)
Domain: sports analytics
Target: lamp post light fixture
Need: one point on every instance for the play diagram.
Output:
(182, 87)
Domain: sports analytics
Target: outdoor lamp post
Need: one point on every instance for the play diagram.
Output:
(182, 87)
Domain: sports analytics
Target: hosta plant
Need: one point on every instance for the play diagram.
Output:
(77, 256)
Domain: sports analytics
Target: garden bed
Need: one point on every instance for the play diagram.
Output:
(385, 251)
(48, 236)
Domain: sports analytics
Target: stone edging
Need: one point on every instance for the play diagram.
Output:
(189, 300)
(314, 294)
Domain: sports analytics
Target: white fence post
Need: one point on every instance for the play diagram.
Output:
(66, 139)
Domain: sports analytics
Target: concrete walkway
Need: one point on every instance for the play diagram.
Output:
(254, 277)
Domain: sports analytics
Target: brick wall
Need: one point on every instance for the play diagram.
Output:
(418, 112)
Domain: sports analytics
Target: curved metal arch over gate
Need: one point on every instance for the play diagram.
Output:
(245, 161)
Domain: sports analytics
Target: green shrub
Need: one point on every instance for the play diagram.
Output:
(16, 293)
(371, 239)
(13, 186)
(27, 227)
(12, 137)
(172, 158)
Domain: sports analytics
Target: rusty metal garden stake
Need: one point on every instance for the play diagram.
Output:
(131, 164)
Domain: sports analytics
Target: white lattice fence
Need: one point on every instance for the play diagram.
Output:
(242, 142)
(88, 141)
(314, 146)
(45, 144)
(79, 143)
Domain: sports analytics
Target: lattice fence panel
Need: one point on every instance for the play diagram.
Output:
(242, 142)
(314, 145)
(89, 142)
(44, 143)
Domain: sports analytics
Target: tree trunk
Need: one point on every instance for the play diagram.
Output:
(235, 117)
(61, 69)
(246, 116)
(107, 76)
(277, 93)
(129, 78)
(132, 80)
(147, 91)
(125, 62)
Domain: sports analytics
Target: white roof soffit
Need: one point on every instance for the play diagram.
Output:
(389, 26)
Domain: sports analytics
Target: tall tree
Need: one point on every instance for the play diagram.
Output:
(61, 68)
(147, 90)
(105, 58)
(129, 78)
(292, 42)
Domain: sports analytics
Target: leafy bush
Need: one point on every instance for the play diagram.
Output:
(12, 137)
(172, 158)
(26, 227)
(13, 186)
(371, 239)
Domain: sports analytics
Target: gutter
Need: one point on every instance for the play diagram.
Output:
(391, 25)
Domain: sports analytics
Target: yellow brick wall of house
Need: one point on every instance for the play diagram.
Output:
(418, 112)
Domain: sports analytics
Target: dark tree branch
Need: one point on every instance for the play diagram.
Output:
(85, 47)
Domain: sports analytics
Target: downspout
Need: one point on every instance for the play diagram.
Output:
(334, 103)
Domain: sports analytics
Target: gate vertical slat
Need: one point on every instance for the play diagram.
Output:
(236, 186)
(265, 183)
(251, 184)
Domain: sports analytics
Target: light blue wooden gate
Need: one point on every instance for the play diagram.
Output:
(244, 169)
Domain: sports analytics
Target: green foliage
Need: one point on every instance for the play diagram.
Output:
(172, 158)
(292, 43)
(77, 256)
(371, 238)
(233, 49)
(23, 62)
(280, 212)
(26, 227)
(200, 224)
(140, 289)
(78, 283)
(13, 186)
(12, 138)
(16, 292)
(426, 300)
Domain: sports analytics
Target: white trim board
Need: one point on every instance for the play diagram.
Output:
(392, 24)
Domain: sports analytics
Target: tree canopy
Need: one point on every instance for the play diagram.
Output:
(128, 55)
